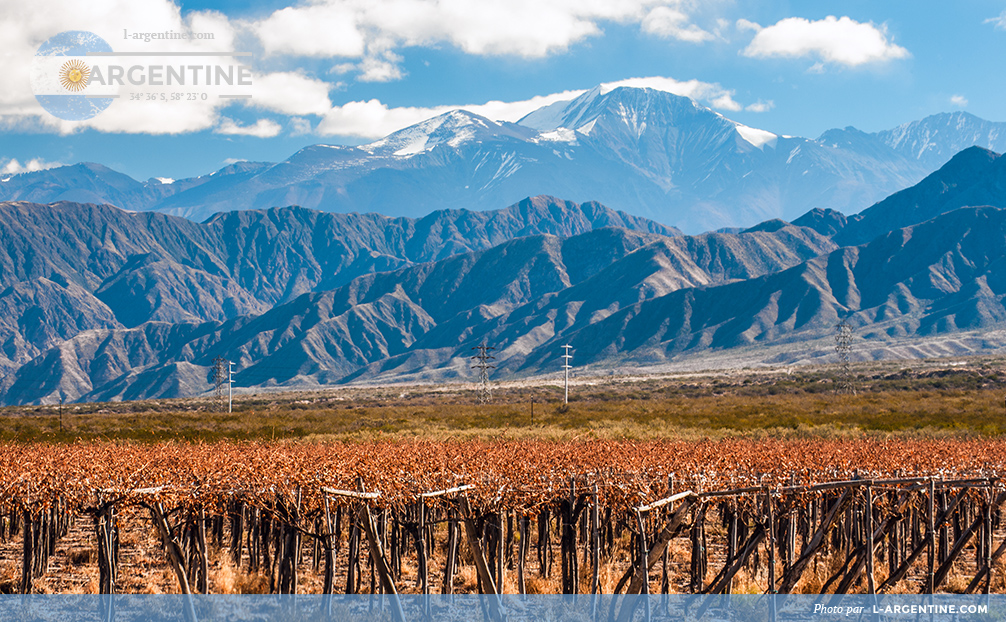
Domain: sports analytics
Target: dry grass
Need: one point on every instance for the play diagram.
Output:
(918, 398)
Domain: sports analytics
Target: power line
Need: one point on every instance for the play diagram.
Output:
(483, 365)
(566, 358)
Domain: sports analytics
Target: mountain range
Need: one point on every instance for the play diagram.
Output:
(70, 267)
(645, 152)
(105, 304)
(325, 337)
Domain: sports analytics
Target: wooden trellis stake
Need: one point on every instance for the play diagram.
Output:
(481, 567)
(931, 539)
(366, 519)
(794, 572)
(902, 569)
(660, 542)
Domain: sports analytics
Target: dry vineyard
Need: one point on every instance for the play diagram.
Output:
(710, 517)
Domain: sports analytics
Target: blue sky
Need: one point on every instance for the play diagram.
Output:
(349, 71)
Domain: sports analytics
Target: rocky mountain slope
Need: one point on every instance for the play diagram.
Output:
(108, 305)
(974, 176)
(427, 311)
(69, 267)
(940, 276)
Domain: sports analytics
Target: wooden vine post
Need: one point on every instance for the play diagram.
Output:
(868, 523)
(931, 538)
(481, 567)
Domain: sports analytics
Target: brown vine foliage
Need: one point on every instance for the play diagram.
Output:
(522, 474)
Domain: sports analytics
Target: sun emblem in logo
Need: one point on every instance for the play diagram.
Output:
(73, 75)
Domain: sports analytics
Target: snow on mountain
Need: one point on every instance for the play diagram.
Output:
(757, 138)
(931, 141)
(559, 114)
(453, 129)
(935, 139)
(646, 152)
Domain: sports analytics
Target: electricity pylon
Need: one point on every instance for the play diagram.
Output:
(483, 365)
(221, 374)
(843, 348)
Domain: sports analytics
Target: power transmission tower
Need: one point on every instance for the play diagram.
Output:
(566, 358)
(843, 348)
(220, 376)
(230, 387)
(483, 365)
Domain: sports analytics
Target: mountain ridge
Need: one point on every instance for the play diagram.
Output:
(102, 303)
(649, 301)
(323, 337)
(973, 177)
(86, 266)
(645, 152)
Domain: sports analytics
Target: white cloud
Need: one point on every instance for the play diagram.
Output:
(263, 128)
(299, 126)
(383, 68)
(709, 92)
(760, 106)
(959, 100)
(840, 41)
(513, 111)
(369, 34)
(999, 21)
(13, 167)
(372, 30)
(726, 102)
(374, 119)
(671, 23)
(290, 93)
(342, 68)
(321, 29)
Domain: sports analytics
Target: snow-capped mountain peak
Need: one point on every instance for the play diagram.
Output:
(559, 114)
(646, 151)
(635, 108)
(453, 129)
(936, 138)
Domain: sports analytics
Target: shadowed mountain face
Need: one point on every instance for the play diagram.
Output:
(634, 298)
(103, 304)
(645, 152)
(69, 267)
(943, 275)
(428, 311)
(974, 176)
